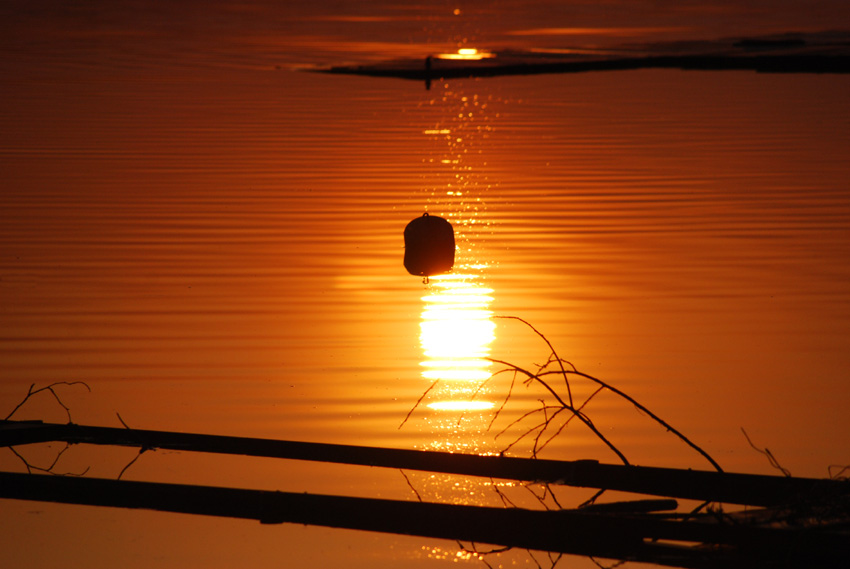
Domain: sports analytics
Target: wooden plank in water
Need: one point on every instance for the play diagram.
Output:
(746, 489)
(618, 536)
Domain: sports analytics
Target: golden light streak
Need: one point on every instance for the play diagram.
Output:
(456, 331)
(466, 54)
(462, 405)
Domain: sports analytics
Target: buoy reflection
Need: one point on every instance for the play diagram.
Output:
(456, 334)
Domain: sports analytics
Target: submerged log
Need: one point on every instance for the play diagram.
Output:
(732, 488)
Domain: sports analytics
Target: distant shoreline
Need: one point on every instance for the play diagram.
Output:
(818, 64)
(818, 53)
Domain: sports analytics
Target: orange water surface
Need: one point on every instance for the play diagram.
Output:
(213, 243)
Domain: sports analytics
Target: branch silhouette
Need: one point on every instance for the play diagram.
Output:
(558, 406)
(50, 388)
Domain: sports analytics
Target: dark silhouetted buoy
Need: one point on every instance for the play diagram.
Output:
(429, 246)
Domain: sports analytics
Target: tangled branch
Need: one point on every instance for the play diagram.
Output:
(50, 388)
(770, 458)
(558, 406)
(47, 469)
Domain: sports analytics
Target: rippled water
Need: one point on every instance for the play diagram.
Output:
(221, 251)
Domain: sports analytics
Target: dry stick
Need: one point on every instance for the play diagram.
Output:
(592, 499)
(519, 420)
(567, 422)
(840, 474)
(410, 485)
(533, 558)
(126, 426)
(522, 436)
(766, 452)
(49, 388)
(652, 415)
(537, 446)
(553, 352)
(474, 395)
(502, 496)
(409, 413)
(564, 373)
(27, 465)
(474, 549)
(131, 463)
(507, 397)
(49, 469)
(540, 499)
(601, 566)
(581, 416)
(554, 497)
(532, 377)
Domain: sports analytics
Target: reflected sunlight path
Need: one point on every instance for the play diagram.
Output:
(456, 334)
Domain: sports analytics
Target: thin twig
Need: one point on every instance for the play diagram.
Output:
(533, 377)
(409, 413)
(502, 496)
(410, 484)
(507, 397)
(570, 418)
(840, 475)
(31, 392)
(554, 354)
(126, 426)
(592, 500)
(49, 470)
(766, 452)
(652, 415)
(581, 416)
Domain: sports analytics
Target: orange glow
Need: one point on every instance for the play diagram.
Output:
(600, 31)
(466, 54)
(462, 405)
(456, 329)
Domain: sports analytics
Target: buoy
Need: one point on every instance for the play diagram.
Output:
(429, 246)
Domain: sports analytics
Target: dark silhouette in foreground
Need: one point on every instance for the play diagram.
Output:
(779, 534)
(788, 521)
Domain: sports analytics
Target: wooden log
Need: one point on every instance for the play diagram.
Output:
(564, 531)
(732, 488)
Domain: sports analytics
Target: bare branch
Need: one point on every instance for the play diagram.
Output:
(409, 413)
(31, 392)
(554, 354)
(766, 452)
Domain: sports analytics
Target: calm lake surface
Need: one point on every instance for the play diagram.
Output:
(210, 238)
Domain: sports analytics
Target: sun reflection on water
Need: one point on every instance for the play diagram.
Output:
(466, 54)
(456, 334)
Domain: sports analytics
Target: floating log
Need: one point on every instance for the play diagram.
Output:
(732, 488)
(633, 538)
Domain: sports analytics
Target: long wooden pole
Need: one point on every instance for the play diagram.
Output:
(746, 489)
(566, 531)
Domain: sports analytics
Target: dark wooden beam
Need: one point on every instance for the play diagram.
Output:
(746, 489)
(618, 536)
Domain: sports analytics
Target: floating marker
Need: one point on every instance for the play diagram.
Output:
(429, 246)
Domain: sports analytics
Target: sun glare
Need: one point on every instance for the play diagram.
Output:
(467, 54)
(462, 405)
(456, 329)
